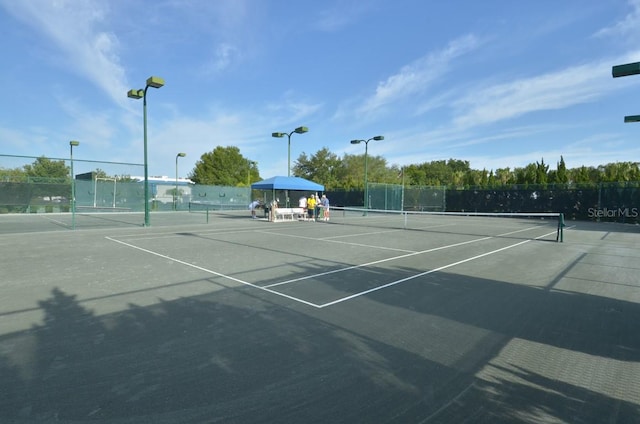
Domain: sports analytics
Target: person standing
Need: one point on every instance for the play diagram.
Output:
(302, 204)
(318, 206)
(273, 210)
(325, 207)
(311, 206)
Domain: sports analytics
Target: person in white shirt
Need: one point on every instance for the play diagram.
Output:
(252, 207)
(302, 204)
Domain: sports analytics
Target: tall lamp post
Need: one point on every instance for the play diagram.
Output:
(155, 82)
(625, 71)
(175, 194)
(366, 146)
(73, 144)
(299, 130)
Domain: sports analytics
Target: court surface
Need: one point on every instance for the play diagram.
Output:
(237, 320)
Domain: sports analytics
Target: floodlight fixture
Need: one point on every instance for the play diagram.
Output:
(155, 82)
(626, 70)
(135, 94)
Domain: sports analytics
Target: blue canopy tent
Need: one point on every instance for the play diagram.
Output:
(286, 184)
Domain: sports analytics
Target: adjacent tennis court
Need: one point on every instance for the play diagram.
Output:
(367, 317)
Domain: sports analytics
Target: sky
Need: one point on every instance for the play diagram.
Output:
(498, 83)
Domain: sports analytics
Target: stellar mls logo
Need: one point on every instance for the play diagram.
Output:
(614, 213)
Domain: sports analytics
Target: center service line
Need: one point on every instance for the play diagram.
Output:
(393, 283)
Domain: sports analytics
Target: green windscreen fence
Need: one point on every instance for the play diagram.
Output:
(116, 187)
(104, 187)
(614, 202)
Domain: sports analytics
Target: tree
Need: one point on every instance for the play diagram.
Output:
(224, 166)
(377, 171)
(561, 177)
(541, 172)
(504, 176)
(15, 174)
(43, 167)
(526, 175)
(584, 174)
(619, 171)
(351, 173)
(323, 167)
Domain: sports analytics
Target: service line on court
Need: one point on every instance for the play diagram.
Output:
(431, 271)
(411, 253)
(174, 233)
(228, 277)
(377, 262)
(329, 240)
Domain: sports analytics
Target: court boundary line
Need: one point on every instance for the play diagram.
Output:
(209, 271)
(354, 295)
(431, 271)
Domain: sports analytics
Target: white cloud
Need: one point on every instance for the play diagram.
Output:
(417, 76)
(225, 56)
(556, 90)
(628, 27)
(73, 26)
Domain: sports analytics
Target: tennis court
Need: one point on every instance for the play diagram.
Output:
(364, 318)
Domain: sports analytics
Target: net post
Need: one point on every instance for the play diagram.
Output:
(207, 214)
(560, 233)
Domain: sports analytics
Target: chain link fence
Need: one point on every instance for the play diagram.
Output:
(615, 202)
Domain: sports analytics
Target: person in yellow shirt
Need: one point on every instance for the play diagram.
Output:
(311, 206)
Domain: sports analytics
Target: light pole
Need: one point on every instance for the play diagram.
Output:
(366, 146)
(299, 130)
(73, 144)
(175, 194)
(625, 71)
(155, 82)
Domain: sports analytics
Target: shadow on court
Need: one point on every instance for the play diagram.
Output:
(439, 349)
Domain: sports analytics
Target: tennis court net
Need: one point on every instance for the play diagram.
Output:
(535, 225)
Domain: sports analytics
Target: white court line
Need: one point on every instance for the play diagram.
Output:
(151, 252)
(344, 299)
(393, 283)
(330, 240)
(64, 224)
(175, 233)
(429, 227)
(376, 262)
(412, 253)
